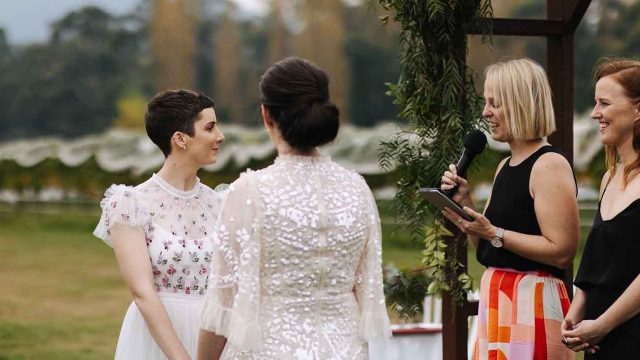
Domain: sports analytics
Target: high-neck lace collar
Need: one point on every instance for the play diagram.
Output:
(301, 159)
(173, 190)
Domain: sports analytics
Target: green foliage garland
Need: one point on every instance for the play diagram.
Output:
(437, 98)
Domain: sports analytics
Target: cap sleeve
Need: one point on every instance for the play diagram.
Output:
(222, 189)
(121, 204)
(214, 198)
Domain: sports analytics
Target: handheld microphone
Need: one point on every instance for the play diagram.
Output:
(474, 144)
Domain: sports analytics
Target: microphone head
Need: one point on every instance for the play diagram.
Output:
(475, 141)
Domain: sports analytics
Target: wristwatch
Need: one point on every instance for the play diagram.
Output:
(496, 241)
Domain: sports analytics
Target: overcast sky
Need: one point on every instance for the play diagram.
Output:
(27, 21)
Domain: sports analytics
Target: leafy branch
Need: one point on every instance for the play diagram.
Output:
(436, 97)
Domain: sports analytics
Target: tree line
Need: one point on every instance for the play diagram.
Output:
(97, 69)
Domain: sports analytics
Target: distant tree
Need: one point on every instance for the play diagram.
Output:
(204, 63)
(625, 27)
(5, 88)
(322, 41)
(131, 108)
(372, 51)
(4, 47)
(173, 29)
(279, 36)
(616, 32)
(69, 86)
(255, 42)
(372, 67)
(589, 47)
(228, 57)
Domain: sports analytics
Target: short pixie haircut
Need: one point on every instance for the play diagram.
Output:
(171, 111)
(522, 88)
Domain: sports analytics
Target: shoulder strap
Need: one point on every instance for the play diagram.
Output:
(605, 187)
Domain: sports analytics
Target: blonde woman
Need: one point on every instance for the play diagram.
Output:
(528, 234)
(604, 316)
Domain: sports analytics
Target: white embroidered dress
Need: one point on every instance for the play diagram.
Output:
(296, 271)
(177, 226)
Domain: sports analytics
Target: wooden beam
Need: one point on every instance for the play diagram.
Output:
(560, 70)
(576, 13)
(470, 308)
(455, 330)
(564, 18)
(455, 320)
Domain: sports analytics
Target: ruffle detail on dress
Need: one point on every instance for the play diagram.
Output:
(239, 330)
(221, 188)
(374, 322)
(120, 205)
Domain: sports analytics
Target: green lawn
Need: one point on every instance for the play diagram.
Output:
(61, 296)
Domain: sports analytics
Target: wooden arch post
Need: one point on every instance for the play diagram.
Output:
(563, 18)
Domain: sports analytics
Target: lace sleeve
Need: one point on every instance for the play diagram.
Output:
(119, 205)
(231, 307)
(369, 290)
(222, 189)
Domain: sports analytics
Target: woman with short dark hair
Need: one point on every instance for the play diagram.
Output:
(297, 272)
(160, 230)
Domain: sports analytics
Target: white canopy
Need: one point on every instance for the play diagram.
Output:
(355, 148)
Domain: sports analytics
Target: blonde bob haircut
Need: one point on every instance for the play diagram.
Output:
(521, 87)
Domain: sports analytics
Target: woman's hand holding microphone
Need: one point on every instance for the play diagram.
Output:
(480, 226)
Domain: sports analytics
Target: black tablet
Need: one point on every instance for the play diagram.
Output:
(441, 201)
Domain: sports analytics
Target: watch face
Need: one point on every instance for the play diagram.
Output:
(496, 242)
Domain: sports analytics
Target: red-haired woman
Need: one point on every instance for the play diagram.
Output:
(603, 318)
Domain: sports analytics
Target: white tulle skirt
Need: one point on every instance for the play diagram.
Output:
(135, 341)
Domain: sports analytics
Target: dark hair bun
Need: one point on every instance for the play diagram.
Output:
(315, 124)
(296, 93)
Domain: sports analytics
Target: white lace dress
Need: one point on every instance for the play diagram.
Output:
(296, 271)
(177, 227)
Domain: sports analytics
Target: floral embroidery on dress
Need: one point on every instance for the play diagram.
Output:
(176, 227)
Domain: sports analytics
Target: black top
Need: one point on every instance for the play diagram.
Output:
(610, 256)
(511, 208)
(609, 265)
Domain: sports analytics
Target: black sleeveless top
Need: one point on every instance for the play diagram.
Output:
(609, 265)
(511, 208)
(610, 256)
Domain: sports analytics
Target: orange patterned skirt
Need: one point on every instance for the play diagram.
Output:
(519, 316)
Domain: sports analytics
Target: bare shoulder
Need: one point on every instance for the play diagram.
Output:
(551, 164)
(502, 162)
(604, 182)
(552, 168)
